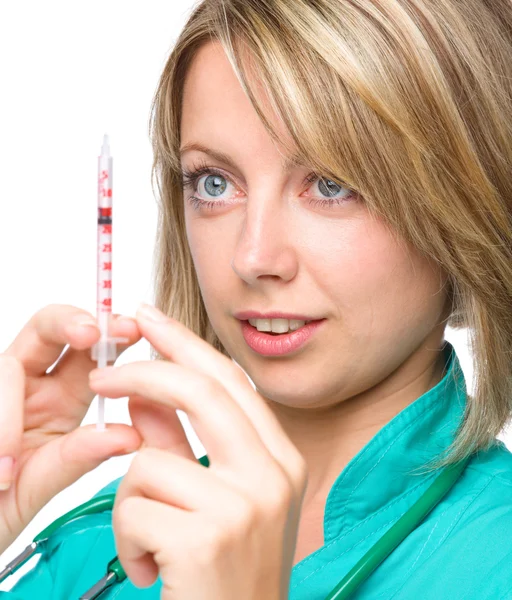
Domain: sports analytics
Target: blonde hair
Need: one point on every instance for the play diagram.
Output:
(409, 102)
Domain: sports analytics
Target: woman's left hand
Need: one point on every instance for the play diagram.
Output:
(218, 533)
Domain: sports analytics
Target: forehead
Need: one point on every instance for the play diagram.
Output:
(215, 108)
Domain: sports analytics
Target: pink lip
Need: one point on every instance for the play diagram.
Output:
(269, 345)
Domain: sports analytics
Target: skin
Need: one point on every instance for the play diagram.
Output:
(380, 348)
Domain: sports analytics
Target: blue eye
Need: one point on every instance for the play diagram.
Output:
(216, 183)
(330, 188)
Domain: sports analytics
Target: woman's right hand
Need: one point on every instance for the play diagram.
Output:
(41, 412)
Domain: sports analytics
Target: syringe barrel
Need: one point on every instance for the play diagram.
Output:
(105, 350)
(104, 272)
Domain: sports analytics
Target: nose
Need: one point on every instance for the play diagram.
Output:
(265, 243)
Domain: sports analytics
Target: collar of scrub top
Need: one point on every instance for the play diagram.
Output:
(420, 433)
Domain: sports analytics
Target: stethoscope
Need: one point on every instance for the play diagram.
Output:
(354, 578)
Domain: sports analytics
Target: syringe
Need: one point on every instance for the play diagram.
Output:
(104, 350)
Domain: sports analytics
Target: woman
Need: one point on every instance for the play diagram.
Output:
(341, 162)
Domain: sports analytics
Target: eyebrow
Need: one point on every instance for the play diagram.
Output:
(288, 163)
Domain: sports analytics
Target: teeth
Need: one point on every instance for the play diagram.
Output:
(277, 325)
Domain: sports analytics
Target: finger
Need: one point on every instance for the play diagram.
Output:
(145, 531)
(73, 367)
(160, 475)
(12, 396)
(209, 407)
(175, 341)
(159, 426)
(57, 464)
(42, 339)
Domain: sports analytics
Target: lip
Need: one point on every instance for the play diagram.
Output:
(269, 345)
(254, 314)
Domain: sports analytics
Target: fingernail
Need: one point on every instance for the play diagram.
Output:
(152, 313)
(84, 320)
(6, 472)
(124, 320)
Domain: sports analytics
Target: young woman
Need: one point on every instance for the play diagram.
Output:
(336, 188)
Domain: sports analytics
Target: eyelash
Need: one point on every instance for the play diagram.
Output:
(190, 178)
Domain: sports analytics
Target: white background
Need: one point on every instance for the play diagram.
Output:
(71, 72)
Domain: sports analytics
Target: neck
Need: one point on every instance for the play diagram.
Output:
(328, 437)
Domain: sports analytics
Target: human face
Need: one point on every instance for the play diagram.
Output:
(268, 248)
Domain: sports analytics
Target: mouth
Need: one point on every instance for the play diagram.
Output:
(274, 334)
(269, 343)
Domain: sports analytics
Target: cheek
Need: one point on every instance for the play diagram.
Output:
(211, 250)
(378, 287)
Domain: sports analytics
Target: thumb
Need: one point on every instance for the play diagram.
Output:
(59, 463)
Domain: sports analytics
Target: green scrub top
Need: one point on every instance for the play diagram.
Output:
(461, 551)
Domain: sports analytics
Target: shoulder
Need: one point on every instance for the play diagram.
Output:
(463, 548)
(486, 491)
(495, 463)
(487, 482)
(479, 523)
